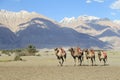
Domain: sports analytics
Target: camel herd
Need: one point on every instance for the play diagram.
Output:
(80, 55)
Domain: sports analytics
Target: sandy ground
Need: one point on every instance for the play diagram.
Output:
(45, 67)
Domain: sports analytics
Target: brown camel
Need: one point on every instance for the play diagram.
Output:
(77, 53)
(90, 54)
(102, 55)
(61, 55)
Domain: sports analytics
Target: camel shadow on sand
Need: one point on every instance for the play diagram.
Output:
(83, 65)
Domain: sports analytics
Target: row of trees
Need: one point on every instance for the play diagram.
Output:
(29, 51)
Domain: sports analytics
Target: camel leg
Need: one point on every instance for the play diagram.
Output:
(80, 61)
(92, 61)
(62, 61)
(100, 60)
(74, 61)
(88, 62)
(82, 58)
(59, 60)
(87, 58)
(104, 61)
(65, 57)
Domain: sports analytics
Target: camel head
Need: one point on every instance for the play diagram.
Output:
(56, 50)
(86, 51)
(71, 50)
(99, 53)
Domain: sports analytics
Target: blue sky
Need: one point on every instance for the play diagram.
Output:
(58, 9)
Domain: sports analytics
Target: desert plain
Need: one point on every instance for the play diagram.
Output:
(46, 67)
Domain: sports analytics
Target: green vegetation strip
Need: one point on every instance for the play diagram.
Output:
(6, 60)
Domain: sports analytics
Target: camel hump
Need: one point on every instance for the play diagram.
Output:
(78, 49)
(105, 54)
(62, 50)
(92, 51)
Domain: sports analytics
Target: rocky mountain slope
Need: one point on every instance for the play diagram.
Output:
(12, 19)
(104, 29)
(7, 38)
(32, 28)
(44, 33)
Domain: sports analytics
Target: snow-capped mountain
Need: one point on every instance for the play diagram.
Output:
(32, 28)
(13, 19)
(101, 28)
(73, 22)
(44, 33)
(90, 24)
(117, 21)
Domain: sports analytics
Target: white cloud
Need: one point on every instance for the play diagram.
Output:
(88, 1)
(99, 1)
(115, 5)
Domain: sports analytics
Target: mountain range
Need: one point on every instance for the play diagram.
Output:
(101, 28)
(19, 29)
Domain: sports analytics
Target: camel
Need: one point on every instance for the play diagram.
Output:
(102, 55)
(90, 54)
(61, 55)
(76, 53)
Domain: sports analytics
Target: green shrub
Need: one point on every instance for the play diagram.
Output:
(18, 58)
(31, 50)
